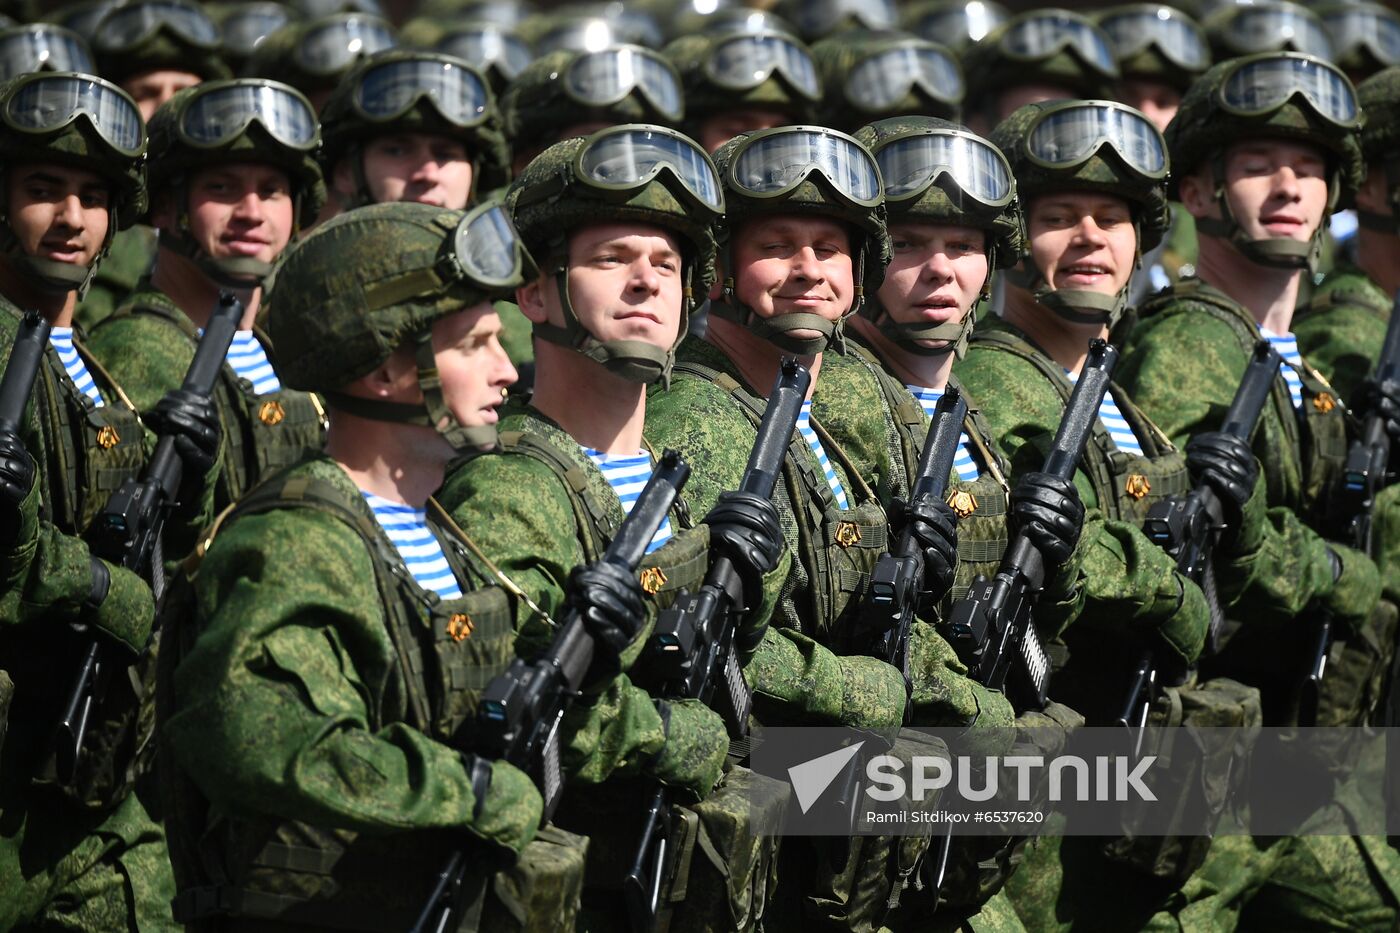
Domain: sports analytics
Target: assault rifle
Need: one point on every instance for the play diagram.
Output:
(1188, 528)
(991, 628)
(127, 532)
(894, 594)
(1368, 460)
(692, 651)
(521, 710)
(18, 383)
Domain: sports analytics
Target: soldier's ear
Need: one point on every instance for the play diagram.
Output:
(530, 298)
(162, 211)
(1197, 191)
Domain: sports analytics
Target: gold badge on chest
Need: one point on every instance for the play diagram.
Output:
(653, 579)
(1137, 486)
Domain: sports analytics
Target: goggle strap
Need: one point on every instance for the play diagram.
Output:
(399, 288)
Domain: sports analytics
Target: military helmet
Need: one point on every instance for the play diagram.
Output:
(587, 27)
(1156, 42)
(82, 16)
(1267, 26)
(42, 47)
(618, 84)
(1365, 36)
(633, 173)
(937, 172)
(313, 56)
(402, 91)
(1047, 46)
(372, 280)
(1094, 146)
(870, 75)
(492, 49)
(508, 13)
(809, 171)
(817, 19)
(1282, 95)
(81, 121)
(736, 69)
(1379, 96)
(243, 26)
(957, 24)
(248, 120)
(149, 35)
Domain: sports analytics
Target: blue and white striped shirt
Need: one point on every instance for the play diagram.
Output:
(1287, 347)
(249, 360)
(965, 466)
(407, 527)
(809, 434)
(628, 477)
(61, 339)
(1118, 429)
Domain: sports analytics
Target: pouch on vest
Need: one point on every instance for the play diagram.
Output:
(541, 892)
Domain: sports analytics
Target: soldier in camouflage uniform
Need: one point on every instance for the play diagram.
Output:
(420, 126)
(85, 853)
(233, 177)
(870, 75)
(318, 709)
(740, 80)
(620, 268)
(1262, 148)
(151, 49)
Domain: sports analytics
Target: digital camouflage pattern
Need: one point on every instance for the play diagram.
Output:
(128, 261)
(147, 346)
(1342, 328)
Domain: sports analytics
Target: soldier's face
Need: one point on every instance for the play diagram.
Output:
(936, 274)
(626, 282)
(418, 167)
(472, 364)
(1276, 188)
(150, 89)
(1157, 101)
(1083, 241)
(789, 264)
(58, 213)
(238, 211)
(719, 129)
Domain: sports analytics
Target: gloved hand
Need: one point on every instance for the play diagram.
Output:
(934, 527)
(1049, 511)
(508, 806)
(1046, 730)
(16, 483)
(194, 424)
(1383, 399)
(1227, 465)
(609, 600)
(744, 528)
(119, 605)
(692, 760)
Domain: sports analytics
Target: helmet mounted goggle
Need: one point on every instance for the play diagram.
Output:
(606, 77)
(882, 79)
(961, 26)
(249, 23)
(816, 18)
(1374, 29)
(128, 27)
(745, 61)
(1168, 31)
(594, 33)
(1041, 35)
(42, 47)
(387, 91)
(1272, 27)
(488, 45)
(337, 43)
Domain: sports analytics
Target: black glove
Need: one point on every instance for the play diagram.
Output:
(609, 599)
(16, 482)
(1383, 399)
(194, 424)
(934, 527)
(744, 528)
(1225, 464)
(1048, 510)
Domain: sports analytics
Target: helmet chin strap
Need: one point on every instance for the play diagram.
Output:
(779, 330)
(432, 413)
(1076, 305)
(1274, 252)
(235, 272)
(632, 360)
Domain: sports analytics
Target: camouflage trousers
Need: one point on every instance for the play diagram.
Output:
(62, 868)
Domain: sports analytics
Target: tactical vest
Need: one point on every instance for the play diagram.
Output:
(679, 564)
(1127, 485)
(298, 873)
(982, 535)
(1346, 286)
(261, 433)
(1318, 433)
(836, 548)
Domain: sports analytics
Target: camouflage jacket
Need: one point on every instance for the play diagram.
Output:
(148, 343)
(1132, 586)
(1182, 364)
(802, 672)
(1342, 328)
(133, 253)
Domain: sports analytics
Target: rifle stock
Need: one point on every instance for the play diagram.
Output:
(991, 628)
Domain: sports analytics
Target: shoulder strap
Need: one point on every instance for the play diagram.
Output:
(590, 515)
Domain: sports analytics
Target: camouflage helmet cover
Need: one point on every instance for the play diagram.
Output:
(837, 56)
(705, 98)
(989, 69)
(343, 126)
(942, 202)
(1104, 171)
(1150, 61)
(171, 158)
(1379, 96)
(362, 285)
(163, 49)
(278, 56)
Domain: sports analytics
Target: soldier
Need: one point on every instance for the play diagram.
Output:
(494, 49)
(243, 25)
(1262, 148)
(1160, 51)
(1269, 26)
(344, 624)
(84, 853)
(233, 177)
(739, 80)
(41, 47)
(870, 75)
(315, 56)
(1365, 37)
(620, 268)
